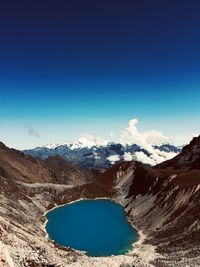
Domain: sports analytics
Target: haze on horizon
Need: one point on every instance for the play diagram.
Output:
(73, 67)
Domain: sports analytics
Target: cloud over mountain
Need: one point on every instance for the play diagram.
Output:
(90, 141)
(95, 152)
(146, 140)
(131, 135)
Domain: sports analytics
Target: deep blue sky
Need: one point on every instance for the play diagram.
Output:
(68, 67)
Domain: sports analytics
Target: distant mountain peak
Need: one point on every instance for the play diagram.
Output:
(85, 140)
(89, 152)
(51, 146)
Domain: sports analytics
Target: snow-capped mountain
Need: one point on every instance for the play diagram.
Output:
(98, 154)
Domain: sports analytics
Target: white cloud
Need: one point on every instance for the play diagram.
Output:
(128, 156)
(146, 140)
(88, 140)
(113, 158)
(140, 156)
(131, 135)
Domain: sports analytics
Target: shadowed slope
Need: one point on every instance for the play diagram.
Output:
(17, 166)
(188, 159)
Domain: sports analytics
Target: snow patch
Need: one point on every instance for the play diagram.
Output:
(128, 156)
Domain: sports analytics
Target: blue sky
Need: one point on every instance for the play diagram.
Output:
(70, 67)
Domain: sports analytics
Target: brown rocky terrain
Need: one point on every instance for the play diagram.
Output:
(188, 159)
(163, 203)
(17, 166)
(67, 172)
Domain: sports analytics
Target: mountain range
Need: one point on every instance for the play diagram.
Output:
(103, 156)
(162, 202)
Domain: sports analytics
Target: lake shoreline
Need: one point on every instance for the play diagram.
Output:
(140, 234)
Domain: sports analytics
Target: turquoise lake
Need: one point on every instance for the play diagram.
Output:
(98, 227)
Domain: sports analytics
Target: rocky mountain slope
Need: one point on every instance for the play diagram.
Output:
(188, 159)
(104, 156)
(163, 203)
(16, 165)
(67, 172)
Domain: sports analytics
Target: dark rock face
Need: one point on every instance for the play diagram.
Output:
(188, 159)
(144, 179)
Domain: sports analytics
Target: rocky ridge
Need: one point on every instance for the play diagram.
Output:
(188, 159)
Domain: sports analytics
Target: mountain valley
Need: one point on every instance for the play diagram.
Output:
(162, 203)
